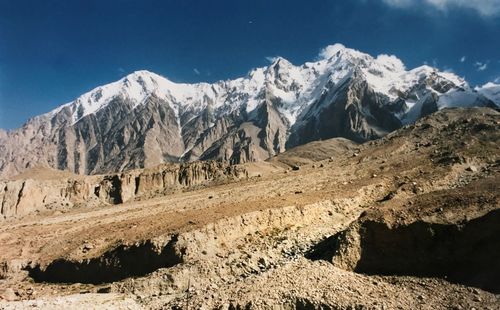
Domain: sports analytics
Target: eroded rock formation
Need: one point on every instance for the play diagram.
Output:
(25, 196)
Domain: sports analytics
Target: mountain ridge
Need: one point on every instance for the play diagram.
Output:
(145, 119)
(341, 54)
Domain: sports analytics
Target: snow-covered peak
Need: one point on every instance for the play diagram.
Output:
(136, 88)
(491, 91)
(291, 87)
(386, 74)
(141, 73)
(344, 55)
(280, 61)
(423, 71)
(141, 84)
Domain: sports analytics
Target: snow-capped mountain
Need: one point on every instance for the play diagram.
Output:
(145, 119)
(491, 91)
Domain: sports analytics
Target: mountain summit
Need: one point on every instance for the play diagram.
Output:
(145, 119)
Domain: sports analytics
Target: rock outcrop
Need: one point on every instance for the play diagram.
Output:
(458, 248)
(25, 196)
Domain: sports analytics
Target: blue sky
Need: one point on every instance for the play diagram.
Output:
(53, 51)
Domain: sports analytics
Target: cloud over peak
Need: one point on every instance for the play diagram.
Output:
(391, 61)
(330, 50)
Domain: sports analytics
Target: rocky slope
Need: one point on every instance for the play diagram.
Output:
(144, 119)
(317, 237)
(44, 190)
(433, 238)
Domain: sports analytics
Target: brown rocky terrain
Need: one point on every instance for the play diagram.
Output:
(409, 221)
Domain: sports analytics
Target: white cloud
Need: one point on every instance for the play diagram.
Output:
(483, 7)
(463, 59)
(196, 71)
(497, 80)
(481, 66)
(330, 51)
(399, 3)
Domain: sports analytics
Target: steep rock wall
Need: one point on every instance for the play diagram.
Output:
(22, 197)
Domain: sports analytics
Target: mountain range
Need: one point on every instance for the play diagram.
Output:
(144, 119)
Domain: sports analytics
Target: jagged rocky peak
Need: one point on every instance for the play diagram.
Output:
(145, 119)
(280, 63)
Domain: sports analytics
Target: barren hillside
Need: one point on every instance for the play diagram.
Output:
(408, 221)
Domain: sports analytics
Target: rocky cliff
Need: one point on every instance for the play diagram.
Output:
(37, 194)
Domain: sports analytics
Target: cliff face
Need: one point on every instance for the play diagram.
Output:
(26, 196)
(119, 137)
(351, 110)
